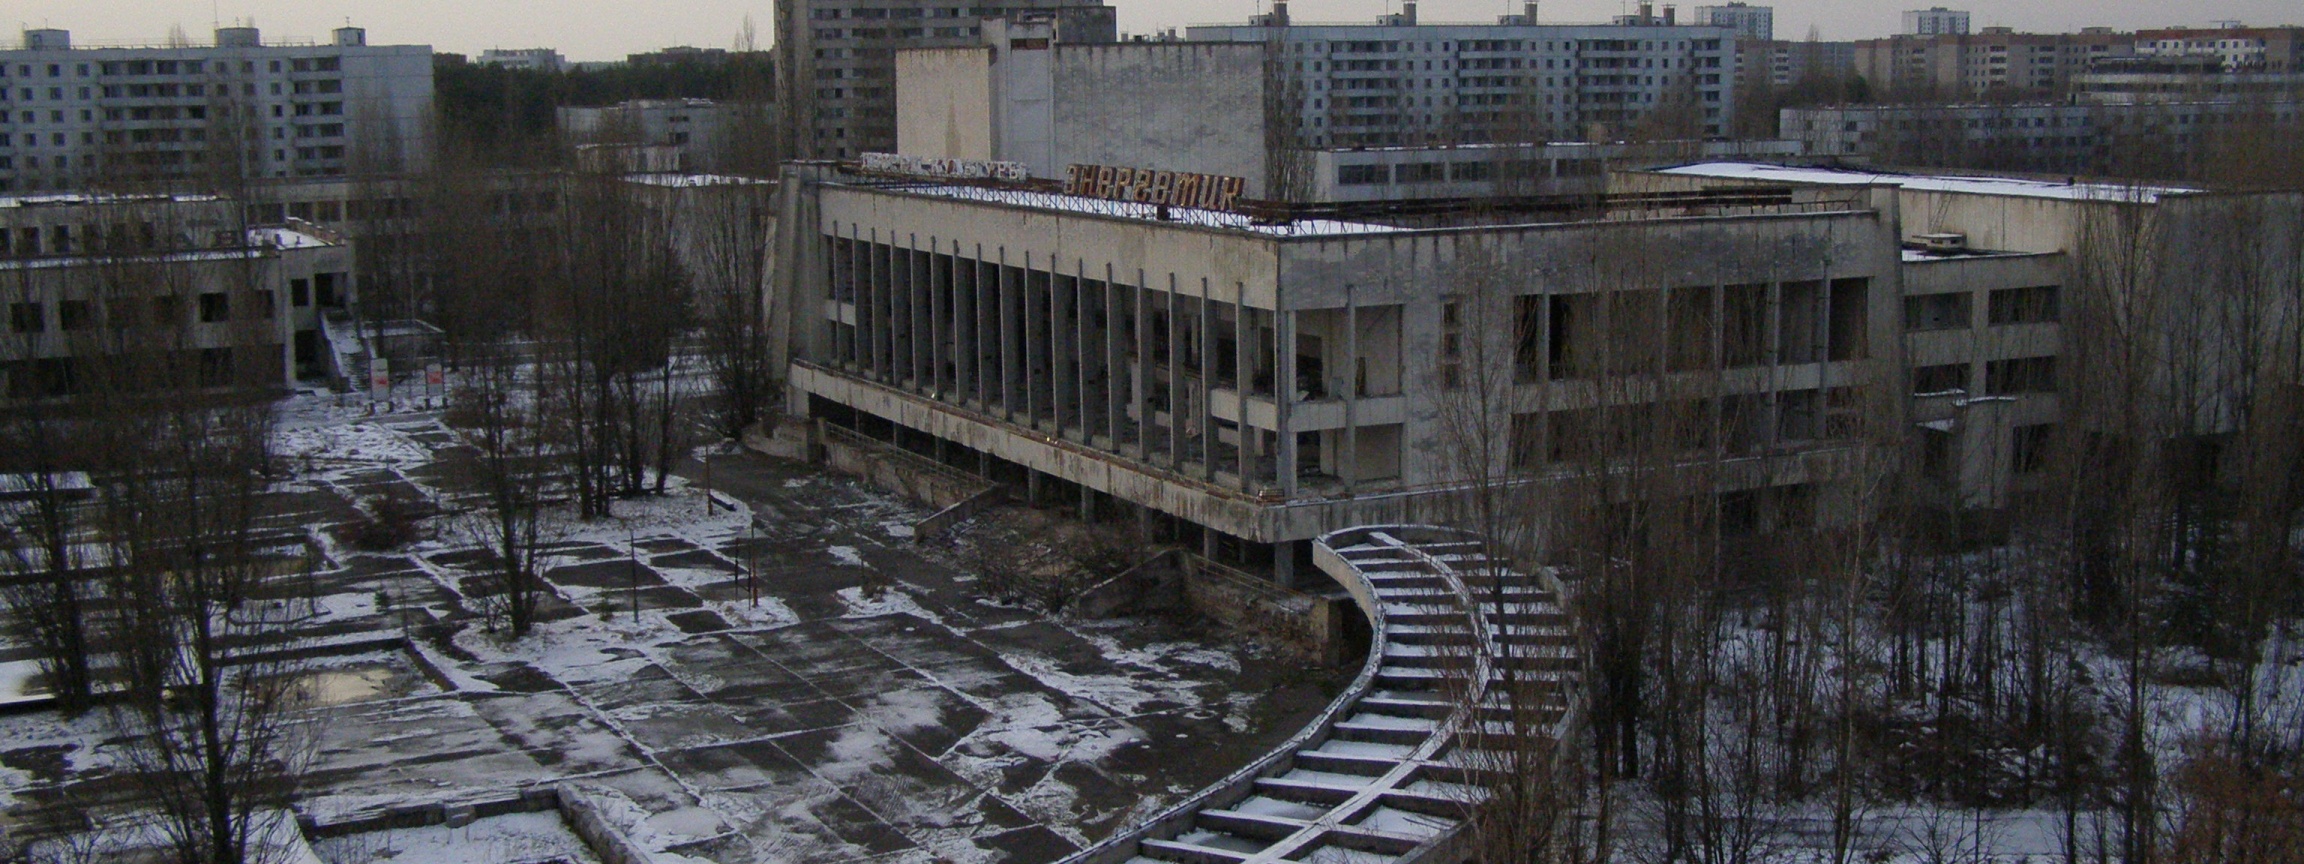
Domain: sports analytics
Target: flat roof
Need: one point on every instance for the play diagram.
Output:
(76, 200)
(1959, 184)
(1146, 212)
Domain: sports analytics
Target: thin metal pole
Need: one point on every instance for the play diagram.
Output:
(752, 560)
(632, 565)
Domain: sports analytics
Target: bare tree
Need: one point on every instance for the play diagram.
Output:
(497, 412)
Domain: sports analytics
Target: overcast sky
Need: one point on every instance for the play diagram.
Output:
(605, 30)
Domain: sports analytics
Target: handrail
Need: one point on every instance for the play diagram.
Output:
(1121, 846)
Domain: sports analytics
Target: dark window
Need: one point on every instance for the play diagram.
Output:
(300, 292)
(74, 315)
(167, 310)
(27, 318)
(2036, 305)
(1363, 175)
(2029, 453)
(2022, 375)
(1940, 379)
(1936, 312)
(261, 305)
(215, 306)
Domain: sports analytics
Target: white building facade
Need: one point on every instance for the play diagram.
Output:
(1936, 21)
(163, 113)
(1400, 83)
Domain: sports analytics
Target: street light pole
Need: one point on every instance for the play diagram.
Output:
(632, 565)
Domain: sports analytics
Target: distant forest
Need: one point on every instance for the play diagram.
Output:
(495, 108)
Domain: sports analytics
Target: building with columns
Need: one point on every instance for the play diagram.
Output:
(1254, 382)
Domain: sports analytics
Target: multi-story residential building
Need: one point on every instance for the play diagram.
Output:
(836, 60)
(2059, 138)
(69, 116)
(2237, 48)
(536, 59)
(1398, 82)
(93, 282)
(1936, 21)
(2185, 78)
(1749, 22)
(1786, 63)
(1996, 61)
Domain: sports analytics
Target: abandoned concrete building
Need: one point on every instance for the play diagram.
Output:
(84, 277)
(1256, 383)
(1988, 269)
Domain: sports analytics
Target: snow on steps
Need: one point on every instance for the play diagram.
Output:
(1382, 775)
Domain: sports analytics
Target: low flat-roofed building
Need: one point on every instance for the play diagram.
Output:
(177, 280)
(1992, 270)
(1258, 379)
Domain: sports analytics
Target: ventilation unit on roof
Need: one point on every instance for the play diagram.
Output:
(1947, 242)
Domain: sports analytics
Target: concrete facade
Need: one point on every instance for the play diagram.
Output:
(163, 112)
(1400, 83)
(1273, 383)
(1987, 276)
(83, 277)
(1184, 106)
(836, 60)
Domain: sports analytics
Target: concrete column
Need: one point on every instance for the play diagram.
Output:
(1009, 339)
(1207, 542)
(983, 336)
(920, 329)
(1141, 372)
(1175, 376)
(1032, 487)
(1087, 504)
(1060, 377)
(1029, 347)
(1284, 562)
(1348, 461)
(1284, 394)
(1114, 380)
(939, 289)
(1207, 361)
(1083, 359)
(1243, 377)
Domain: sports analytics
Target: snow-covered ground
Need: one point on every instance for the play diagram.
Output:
(803, 722)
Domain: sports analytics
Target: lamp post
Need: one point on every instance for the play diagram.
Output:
(632, 565)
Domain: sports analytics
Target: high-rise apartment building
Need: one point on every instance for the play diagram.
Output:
(1996, 61)
(836, 60)
(1936, 21)
(69, 116)
(1400, 83)
(1749, 22)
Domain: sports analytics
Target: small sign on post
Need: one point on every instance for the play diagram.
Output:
(380, 379)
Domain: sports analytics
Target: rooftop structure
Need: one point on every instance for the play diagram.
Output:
(836, 60)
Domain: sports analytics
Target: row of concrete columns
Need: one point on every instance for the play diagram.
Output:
(1093, 358)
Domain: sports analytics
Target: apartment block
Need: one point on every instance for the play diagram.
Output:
(1936, 21)
(836, 60)
(1997, 61)
(1399, 82)
(1750, 22)
(163, 113)
(2049, 137)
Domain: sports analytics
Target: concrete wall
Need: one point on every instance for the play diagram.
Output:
(944, 103)
(1172, 106)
